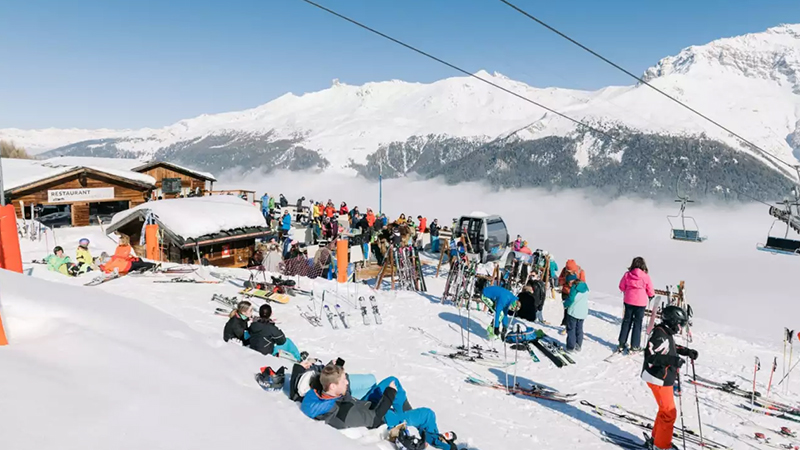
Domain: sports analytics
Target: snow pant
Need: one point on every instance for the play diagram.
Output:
(633, 316)
(539, 316)
(423, 419)
(574, 333)
(365, 250)
(376, 249)
(376, 392)
(665, 419)
(434, 244)
(141, 265)
(361, 384)
(287, 347)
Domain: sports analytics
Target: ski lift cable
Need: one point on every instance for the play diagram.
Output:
(641, 80)
(459, 69)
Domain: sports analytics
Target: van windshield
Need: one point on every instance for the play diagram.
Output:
(497, 232)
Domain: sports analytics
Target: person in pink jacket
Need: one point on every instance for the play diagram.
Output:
(638, 290)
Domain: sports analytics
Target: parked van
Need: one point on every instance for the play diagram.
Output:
(485, 235)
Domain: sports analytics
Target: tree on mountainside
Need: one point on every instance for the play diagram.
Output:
(9, 150)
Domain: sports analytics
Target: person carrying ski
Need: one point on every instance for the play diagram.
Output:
(504, 302)
(83, 256)
(59, 262)
(662, 362)
(385, 403)
(266, 338)
(236, 327)
(577, 309)
(638, 290)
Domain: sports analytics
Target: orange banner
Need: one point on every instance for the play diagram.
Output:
(342, 253)
(151, 242)
(9, 240)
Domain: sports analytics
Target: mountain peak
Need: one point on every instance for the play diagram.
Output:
(772, 55)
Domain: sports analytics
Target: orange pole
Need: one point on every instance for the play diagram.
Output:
(341, 260)
(9, 240)
(151, 241)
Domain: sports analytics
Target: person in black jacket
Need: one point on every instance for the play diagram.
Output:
(434, 231)
(662, 361)
(268, 339)
(333, 404)
(236, 328)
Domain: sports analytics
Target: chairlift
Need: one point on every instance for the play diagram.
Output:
(682, 233)
(790, 217)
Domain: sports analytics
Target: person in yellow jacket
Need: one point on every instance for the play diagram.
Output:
(83, 256)
(317, 210)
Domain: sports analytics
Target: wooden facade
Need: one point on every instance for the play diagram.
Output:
(190, 181)
(125, 190)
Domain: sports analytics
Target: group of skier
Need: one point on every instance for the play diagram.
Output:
(259, 332)
(123, 260)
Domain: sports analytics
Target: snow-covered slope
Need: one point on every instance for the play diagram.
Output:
(749, 83)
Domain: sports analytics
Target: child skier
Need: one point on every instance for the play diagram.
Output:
(83, 257)
(661, 366)
(59, 262)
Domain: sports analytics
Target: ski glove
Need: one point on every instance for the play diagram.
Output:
(678, 362)
(691, 353)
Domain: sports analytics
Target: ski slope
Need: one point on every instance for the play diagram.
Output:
(137, 364)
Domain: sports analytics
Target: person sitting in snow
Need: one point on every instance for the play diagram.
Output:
(504, 302)
(59, 262)
(385, 403)
(268, 339)
(83, 256)
(236, 327)
(123, 262)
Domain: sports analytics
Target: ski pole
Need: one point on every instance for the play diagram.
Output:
(787, 373)
(774, 366)
(680, 405)
(697, 402)
(756, 368)
(785, 332)
(516, 351)
(790, 336)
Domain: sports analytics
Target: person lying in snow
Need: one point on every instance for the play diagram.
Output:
(385, 402)
(59, 262)
(266, 338)
(123, 261)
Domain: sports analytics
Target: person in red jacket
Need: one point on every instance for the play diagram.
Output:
(329, 210)
(343, 210)
(423, 224)
(638, 290)
(370, 217)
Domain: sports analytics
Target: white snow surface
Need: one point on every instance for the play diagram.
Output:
(750, 83)
(21, 172)
(199, 216)
(115, 163)
(134, 364)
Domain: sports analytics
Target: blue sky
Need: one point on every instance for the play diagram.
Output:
(126, 64)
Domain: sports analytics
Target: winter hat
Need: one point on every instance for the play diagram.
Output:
(265, 311)
(571, 265)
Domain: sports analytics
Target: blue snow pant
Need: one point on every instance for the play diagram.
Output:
(288, 347)
(423, 419)
(434, 244)
(633, 316)
(574, 333)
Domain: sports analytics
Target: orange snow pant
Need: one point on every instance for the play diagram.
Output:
(665, 420)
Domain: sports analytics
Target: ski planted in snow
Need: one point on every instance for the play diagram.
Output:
(375, 311)
(342, 316)
(362, 305)
(331, 318)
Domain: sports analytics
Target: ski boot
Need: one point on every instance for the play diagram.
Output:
(303, 356)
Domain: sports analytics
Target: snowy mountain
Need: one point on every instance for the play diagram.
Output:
(750, 83)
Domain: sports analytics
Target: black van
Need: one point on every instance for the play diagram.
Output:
(485, 235)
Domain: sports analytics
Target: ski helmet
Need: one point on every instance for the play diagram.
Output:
(674, 316)
(83, 242)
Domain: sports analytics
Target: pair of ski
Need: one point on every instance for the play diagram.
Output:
(488, 360)
(553, 351)
(536, 390)
(764, 440)
(620, 355)
(103, 278)
(645, 423)
(332, 317)
(362, 305)
(310, 315)
(184, 279)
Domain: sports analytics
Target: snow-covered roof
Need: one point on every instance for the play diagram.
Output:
(133, 165)
(191, 218)
(22, 172)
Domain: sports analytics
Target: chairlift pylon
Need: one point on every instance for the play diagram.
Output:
(787, 213)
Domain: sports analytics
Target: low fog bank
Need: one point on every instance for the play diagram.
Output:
(728, 281)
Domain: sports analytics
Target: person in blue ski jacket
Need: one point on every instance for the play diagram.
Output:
(577, 305)
(265, 205)
(553, 272)
(286, 224)
(386, 402)
(504, 301)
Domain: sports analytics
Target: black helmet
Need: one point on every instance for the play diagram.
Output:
(673, 316)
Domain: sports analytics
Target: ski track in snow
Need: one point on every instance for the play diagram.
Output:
(484, 418)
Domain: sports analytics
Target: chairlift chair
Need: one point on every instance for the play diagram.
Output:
(684, 234)
(783, 245)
